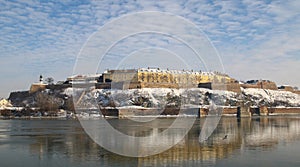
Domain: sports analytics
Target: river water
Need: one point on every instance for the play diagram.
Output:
(261, 141)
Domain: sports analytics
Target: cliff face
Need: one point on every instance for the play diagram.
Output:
(44, 100)
(17, 98)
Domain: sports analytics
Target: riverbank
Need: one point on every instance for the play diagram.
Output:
(128, 112)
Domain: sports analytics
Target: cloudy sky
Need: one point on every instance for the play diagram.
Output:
(255, 39)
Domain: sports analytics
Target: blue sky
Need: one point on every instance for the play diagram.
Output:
(255, 39)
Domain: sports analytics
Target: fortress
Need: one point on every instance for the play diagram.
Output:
(164, 78)
(160, 78)
(157, 78)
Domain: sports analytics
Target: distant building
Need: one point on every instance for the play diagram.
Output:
(5, 103)
(286, 88)
(289, 88)
(81, 79)
(260, 84)
(39, 86)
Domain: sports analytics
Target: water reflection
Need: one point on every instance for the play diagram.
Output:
(64, 142)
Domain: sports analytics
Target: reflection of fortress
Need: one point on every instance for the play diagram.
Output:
(263, 133)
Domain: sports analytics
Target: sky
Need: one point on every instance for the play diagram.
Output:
(254, 39)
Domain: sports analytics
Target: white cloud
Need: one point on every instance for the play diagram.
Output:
(284, 11)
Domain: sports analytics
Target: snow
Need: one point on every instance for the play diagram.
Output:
(68, 92)
(273, 97)
(161, 97)
(174, 71)
(155, 97)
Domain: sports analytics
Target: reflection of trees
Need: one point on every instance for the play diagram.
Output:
(75, 144)
(68, 142)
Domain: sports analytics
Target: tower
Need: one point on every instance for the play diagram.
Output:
(41, 79)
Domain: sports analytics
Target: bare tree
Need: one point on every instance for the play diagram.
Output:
(47, 103)
(69, 105)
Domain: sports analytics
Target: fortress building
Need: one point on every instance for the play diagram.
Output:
(157, 78)
(39, 86)
(260, 84)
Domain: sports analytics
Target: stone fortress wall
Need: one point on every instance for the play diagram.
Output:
(156, 78)
(165, 76)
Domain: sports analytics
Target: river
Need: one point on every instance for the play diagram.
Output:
(258, 141)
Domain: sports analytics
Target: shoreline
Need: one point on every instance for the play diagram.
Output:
(111, 113)
(159, 117)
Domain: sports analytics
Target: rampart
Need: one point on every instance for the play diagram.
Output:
(35, 87)
(261, 84)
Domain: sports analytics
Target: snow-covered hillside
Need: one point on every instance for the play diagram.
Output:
(271, 97)
(159, 97)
